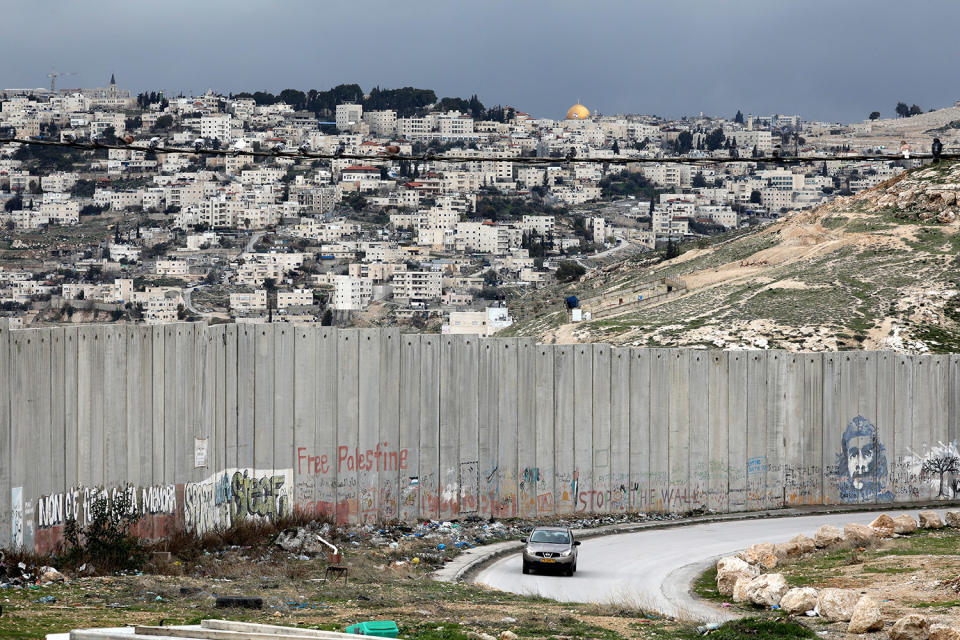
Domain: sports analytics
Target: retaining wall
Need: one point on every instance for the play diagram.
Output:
(204, 426)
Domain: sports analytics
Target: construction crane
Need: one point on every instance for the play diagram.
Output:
(53, 77)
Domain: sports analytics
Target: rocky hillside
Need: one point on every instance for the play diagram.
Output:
(878, 270)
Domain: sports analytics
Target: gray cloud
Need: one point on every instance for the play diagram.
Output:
(821, 58)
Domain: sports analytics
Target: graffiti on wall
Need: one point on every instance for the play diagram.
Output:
(862, 464)
(233, 496)
(77, 503)
(16, 499)
(939, 467)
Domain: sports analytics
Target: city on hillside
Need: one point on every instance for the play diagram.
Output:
(112, 235)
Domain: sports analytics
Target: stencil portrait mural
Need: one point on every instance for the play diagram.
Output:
(862, 464)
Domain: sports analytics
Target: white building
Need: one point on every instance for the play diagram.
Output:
(351, 294)
(349, 117)
(247, 302)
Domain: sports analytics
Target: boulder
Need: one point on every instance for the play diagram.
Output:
(930, 520)
(473, 635)
(910, 627)
(806, 544)
(904, 524)
(947, 216)
(953, 518)
(859, 534)
(827, 536)
(866, 616)
(884, 526)
(788, 550)
(763, 555)
(798, 601)
(836, 605)
(508, 635)
(729, 570)
(766, 590)
(943, 632)
(740, 589)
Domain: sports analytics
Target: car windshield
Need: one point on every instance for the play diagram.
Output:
(550, 537)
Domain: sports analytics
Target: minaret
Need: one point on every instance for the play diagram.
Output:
(113, 81)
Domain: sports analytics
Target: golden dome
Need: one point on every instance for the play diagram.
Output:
(578, 112)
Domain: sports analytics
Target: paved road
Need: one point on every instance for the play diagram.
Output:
(654, 569)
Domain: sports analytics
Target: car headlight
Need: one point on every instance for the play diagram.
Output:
(566, 553)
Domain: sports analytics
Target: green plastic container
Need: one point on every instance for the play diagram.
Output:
(380, 628)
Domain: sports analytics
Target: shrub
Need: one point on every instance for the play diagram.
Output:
(107, 542)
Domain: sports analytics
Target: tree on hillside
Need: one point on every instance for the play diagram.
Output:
(874, 115)
(755, 197)
(698, 181)
(915, 110)
(616, 148)
(684, 142)
(714, 139)
(902, 109)
(739, 117)
(568, 271)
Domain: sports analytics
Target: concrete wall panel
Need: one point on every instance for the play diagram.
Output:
(507, 424)
(448, 449)
(429, 425)
(467, 377)
(640, 445)
(660, 455)
(348, 424)
(409, 490)
(327, 395)
(699, 419)
(528, 473)
(565, 474)
(284, 454)
(308, 462)
(582, 425)
(598, 500)
(756, 430)
(776, 394)
(678, 442)
(394, 460)
(619, 430)
(737, 394)
(717, 441)
(547, 444)
(368, 436)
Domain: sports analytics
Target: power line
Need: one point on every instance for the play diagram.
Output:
(303, 153)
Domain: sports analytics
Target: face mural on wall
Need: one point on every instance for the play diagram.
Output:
(862, 464)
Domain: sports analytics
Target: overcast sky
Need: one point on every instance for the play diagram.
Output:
(834, 60)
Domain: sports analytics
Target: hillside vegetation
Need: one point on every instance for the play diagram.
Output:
(878, 270)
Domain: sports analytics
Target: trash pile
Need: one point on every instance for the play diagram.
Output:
(434, 542)
(20, 575)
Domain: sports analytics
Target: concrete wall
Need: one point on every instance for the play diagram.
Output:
(204, 427)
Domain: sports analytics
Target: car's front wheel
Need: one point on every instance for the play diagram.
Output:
(526, 567)
(570, 569)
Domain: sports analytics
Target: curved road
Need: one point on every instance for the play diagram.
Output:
(653, 569)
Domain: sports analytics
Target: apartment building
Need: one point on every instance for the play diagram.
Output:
(249, 301)
(350, 293)
(294, 298)
(417, 286)
(349, 117)
(171, 268)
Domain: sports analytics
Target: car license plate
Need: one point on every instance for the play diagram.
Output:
(547, 560)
